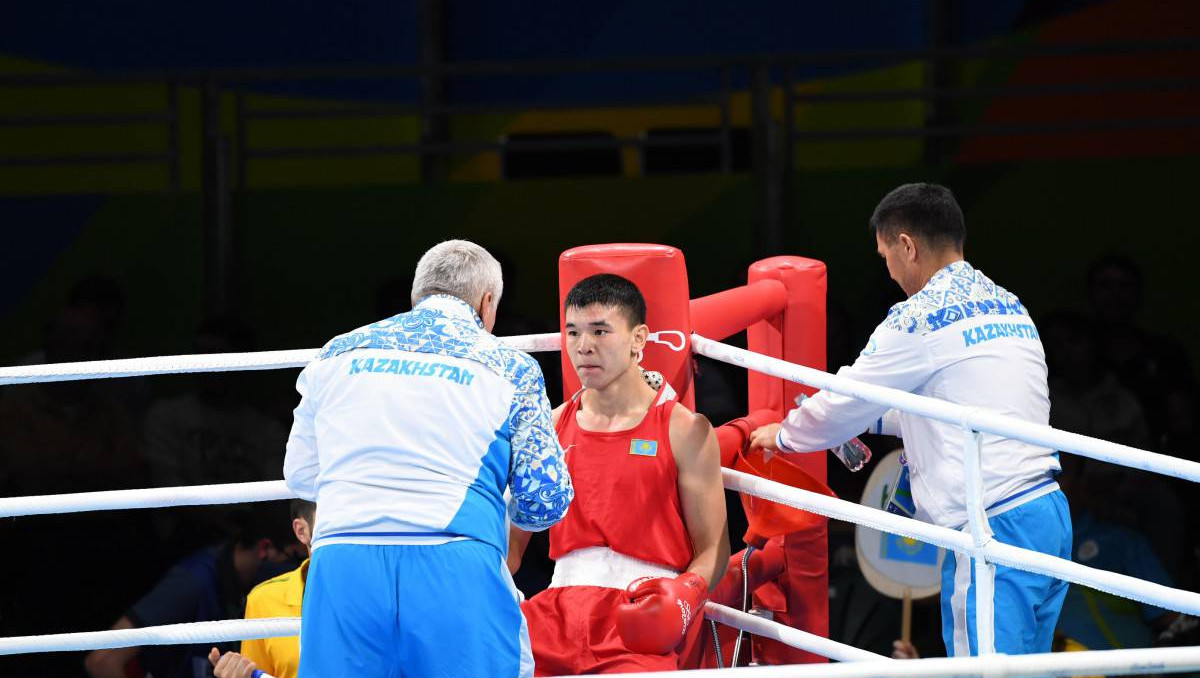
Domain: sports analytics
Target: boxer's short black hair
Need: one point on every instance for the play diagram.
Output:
(928, 211)
(612, 290)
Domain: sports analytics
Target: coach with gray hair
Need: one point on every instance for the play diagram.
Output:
(408, 432)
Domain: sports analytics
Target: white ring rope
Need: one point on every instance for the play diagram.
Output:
(994, 551)
(155, 497)
(248, 629)
(787, 635)
(208, 362)
(167, 364)
(1104, 662)
(1101, 662)
(1003, 554)
(194, 633)
(1110, 662)
(967, 417)
(974, 418)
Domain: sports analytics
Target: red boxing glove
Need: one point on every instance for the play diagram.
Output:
(659, 612)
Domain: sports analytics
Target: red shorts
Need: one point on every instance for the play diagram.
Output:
(573, 631)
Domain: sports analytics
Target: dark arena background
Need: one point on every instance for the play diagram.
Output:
(188, 177)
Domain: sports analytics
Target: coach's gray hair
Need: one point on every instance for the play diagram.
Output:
(459, 268)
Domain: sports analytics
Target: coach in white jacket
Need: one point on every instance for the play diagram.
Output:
(407, 435)
(962, 338)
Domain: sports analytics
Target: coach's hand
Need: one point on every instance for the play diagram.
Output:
(232, 665)
(764, 437)
(659, 612)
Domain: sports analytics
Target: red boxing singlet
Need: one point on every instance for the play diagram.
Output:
(626, 490)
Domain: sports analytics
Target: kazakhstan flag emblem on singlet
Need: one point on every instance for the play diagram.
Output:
(644, 448)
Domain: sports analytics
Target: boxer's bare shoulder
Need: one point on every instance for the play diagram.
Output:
(690, 432)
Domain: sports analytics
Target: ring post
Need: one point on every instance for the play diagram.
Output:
(800, 597)
(981, 534)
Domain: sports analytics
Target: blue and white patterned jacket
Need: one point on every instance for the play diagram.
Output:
(410, 430)
(964, 339)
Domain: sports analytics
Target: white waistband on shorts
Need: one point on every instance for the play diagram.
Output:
(602, 566)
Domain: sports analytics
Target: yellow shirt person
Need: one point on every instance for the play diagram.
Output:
(278, 597)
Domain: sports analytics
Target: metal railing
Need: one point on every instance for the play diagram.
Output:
(756, 75)
(229, 151)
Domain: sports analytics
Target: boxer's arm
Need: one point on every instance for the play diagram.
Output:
(766, 564)
(892, 359)
(300, 465)
(660, 610)
(701, 492)
(541, 486)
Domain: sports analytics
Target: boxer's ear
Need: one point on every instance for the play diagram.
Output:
(641, 334)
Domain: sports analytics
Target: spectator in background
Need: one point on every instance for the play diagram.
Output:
(59, 438)
(63, 437)
(208, 585)
(278, 597)
(214, 433)
(1147, 364)
(1095, 619)
(1085, 396)
(102, 296)
(1182, 439)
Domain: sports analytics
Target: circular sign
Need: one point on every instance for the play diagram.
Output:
(893, 564)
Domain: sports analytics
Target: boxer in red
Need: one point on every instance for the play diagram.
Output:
(646, 533)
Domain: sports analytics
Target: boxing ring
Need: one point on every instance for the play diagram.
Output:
(974, 541)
